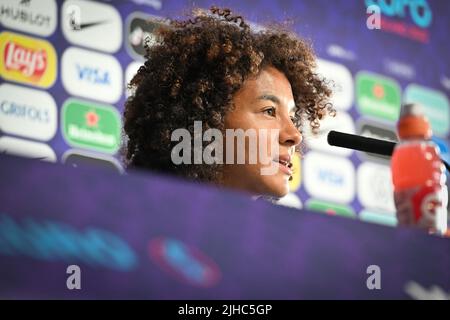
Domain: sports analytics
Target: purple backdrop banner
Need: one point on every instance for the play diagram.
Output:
(152, 237)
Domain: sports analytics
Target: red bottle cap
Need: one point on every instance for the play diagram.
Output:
(413, 123)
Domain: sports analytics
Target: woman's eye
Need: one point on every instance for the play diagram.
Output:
(270, 111)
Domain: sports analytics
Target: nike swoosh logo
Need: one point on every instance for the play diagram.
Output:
(83, 26)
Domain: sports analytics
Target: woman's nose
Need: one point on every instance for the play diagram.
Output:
(289, 134)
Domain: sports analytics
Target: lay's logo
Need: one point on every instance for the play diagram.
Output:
(27, 60)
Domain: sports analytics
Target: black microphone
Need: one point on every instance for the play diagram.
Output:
(360, 143)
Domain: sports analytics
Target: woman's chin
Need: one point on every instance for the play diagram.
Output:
(281, 194)
(278, 190)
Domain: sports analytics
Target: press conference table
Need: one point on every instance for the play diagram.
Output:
(146, 236)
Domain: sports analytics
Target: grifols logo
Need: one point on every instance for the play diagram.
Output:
(27, 60)
(32, 63)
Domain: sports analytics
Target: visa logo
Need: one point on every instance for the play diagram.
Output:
(330, 177)
(93, 75)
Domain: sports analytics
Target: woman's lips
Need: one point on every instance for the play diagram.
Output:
(285, 169)
(284, 162)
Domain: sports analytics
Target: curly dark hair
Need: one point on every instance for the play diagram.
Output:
(192, 73)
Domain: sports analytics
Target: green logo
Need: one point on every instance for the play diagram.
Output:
(436, 107)
(92, 126)
(378, 96)
(330, 208)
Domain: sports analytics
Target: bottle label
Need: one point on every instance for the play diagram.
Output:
(425, 207)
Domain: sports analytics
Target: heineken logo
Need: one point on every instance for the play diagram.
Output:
(91, 126)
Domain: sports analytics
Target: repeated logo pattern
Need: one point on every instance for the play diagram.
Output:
(65, 66)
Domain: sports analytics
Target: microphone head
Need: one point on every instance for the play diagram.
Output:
(355, 142)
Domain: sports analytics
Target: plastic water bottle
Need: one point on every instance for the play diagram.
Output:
(418, 174)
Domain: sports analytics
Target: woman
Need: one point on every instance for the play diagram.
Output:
(213, 70)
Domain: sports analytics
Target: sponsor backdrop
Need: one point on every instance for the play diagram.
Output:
(65, 64)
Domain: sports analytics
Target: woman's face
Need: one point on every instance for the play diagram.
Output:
(265, 102)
